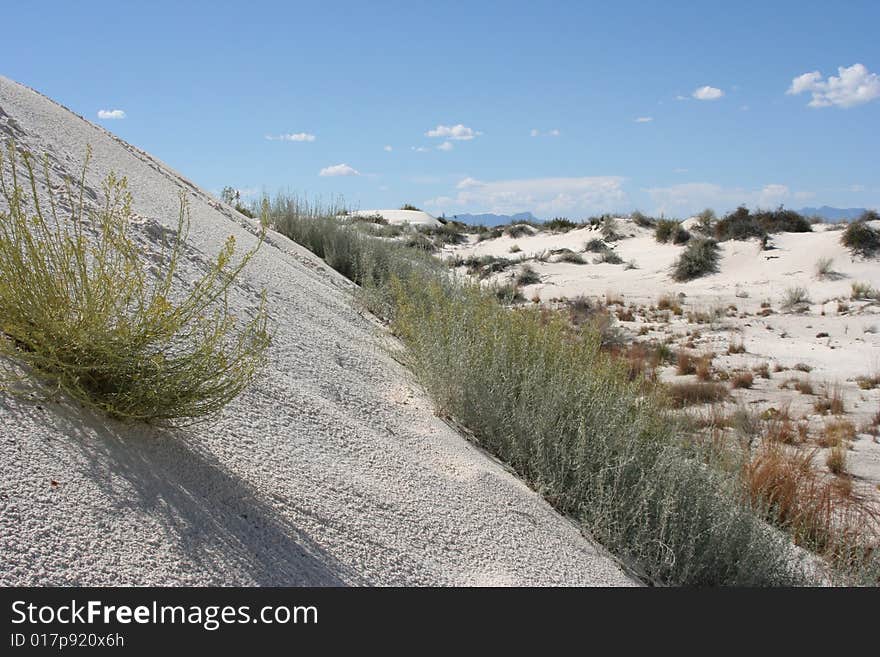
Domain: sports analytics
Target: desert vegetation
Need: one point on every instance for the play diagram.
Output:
(860, 238)
(88, 312)
(549, 394)
(699, 258)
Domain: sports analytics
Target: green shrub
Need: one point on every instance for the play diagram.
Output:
(781, 220)
(739, 225)
(609, 229)
(484, 266)
(742, 224)
(418, 240)
(447, 233)
(609, 256)
(488, 233)
(641, 220)
(517, 230)
(545, 398)
(596, 246)
(706, 222)
(408, 206)
(527, 276)
(81, 312)
(700, 257)
(569, 256)
(560, 225)
(861, 239)
(376, 218)
(664, 230)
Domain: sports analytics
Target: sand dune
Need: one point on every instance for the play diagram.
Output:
(837, 337)
(399, 217)
(332, 469)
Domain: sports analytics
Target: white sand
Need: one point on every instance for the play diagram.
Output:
(747, 277)
(400, 217)
(331, 469)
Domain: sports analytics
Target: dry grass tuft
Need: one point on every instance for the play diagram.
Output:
(836, 432)
(684, 363)
(689, 394)
(822, 515)
(742, 380)
(736, 347)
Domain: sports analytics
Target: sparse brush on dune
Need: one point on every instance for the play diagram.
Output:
(795, 299)
(860, 238)
(700, 257)
(87, 310)
(540, 393)
(742, 224)
(669, 230)
(586, 429)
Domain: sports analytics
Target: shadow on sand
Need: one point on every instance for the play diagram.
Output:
(229, 532)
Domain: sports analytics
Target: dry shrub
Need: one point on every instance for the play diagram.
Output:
(837, 432)
(703, 367)
(742, 380)
(626, 315)
(669, 302)
(836, 459)
(822, 515)
(762, 370)
(689, 394)
(833, 404)
(684, 363)
(736, 347)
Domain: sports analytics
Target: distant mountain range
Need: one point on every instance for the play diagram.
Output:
(489, 219)
(832, 214)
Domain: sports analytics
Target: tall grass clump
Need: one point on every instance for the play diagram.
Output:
(700, 257)
(361, 258)
(544, 397)
(87, 311)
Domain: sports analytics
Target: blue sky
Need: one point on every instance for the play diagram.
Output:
(495, 106)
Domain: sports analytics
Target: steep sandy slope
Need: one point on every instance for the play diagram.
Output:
(331, 469)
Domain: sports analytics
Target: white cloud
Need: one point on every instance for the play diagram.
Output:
(458, 132)
(644, 119)
(445, 146)
(853, 86)
(111, 114)
(544, 196)
(295, 136)
(420, 149)
(339, 170)
(388, 149)
(707, 93)
(679, 97)
(687, 198)
(550, 133)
